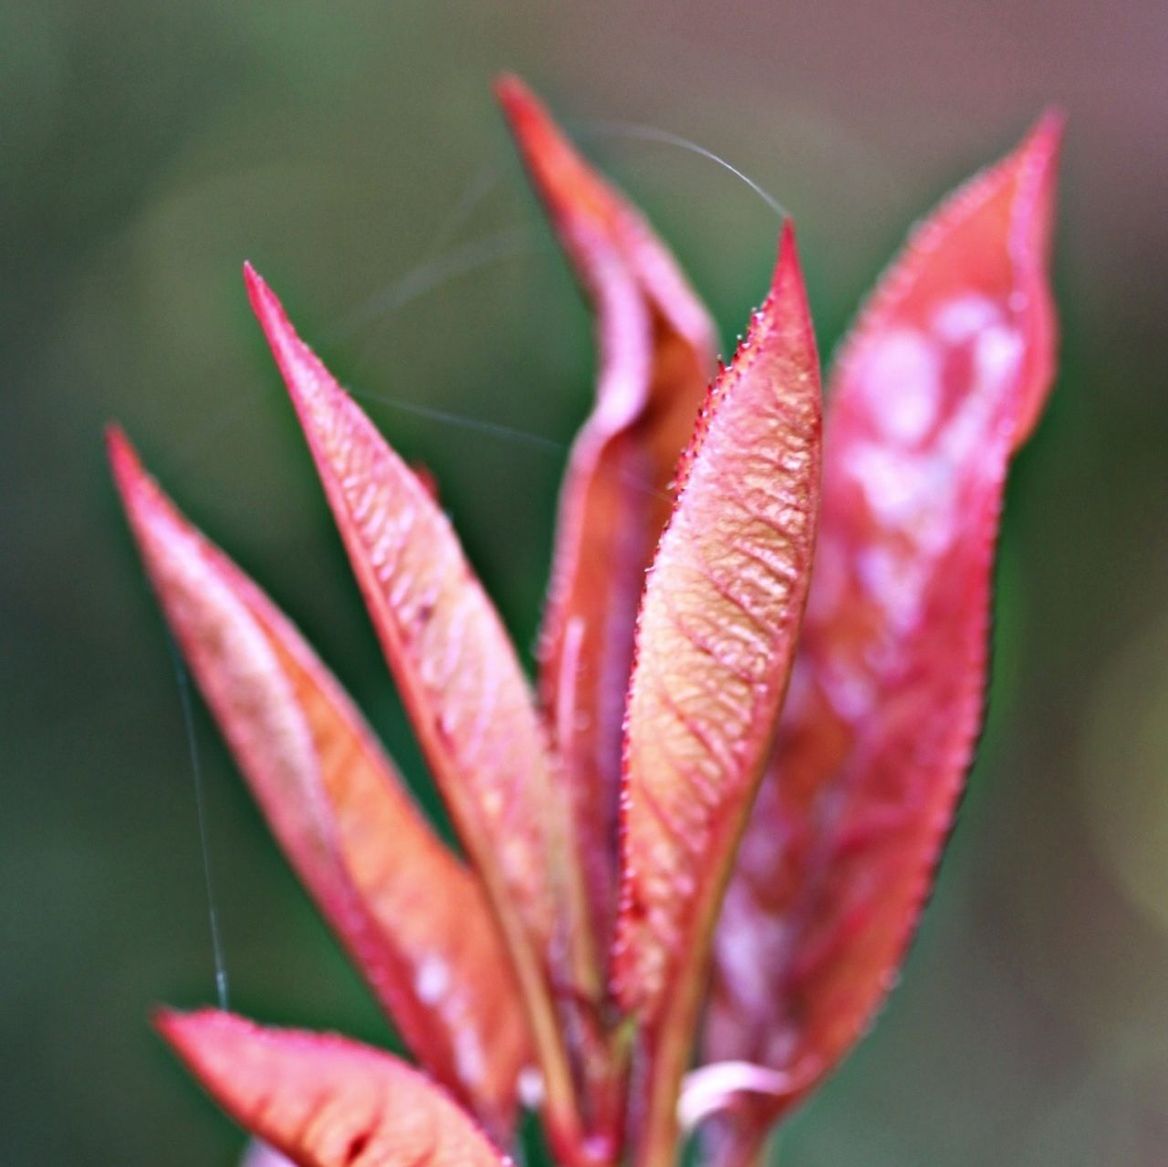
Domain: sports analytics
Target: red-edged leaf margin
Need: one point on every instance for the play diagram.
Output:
(411, 914)
(715, 639)
(464, 690)
(656, 357)
(944, 374)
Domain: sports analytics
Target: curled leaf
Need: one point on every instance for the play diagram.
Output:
(459, 678)
(718, 1087)
(715, 641)
(943, 375)
(324, 1101)
(412, 915)
(656, 345)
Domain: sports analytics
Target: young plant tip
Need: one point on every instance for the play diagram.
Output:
(698, 847)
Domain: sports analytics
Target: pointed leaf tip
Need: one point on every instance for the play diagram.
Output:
(460, 680)
(142, 499)
(656, 357)
(559, 171)
(784, 309)
(335, 804)
(592, 216)
(977, 264)
(788, 269)
(943, 374)
(257, 287)
(126, 466)
(716, 638)
(321, 1100)
(512, 92)
(117, 445)
(1045, 137)
(297, 362)
(446, 646)
(1039, 155)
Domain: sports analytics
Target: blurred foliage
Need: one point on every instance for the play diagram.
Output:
(148, 148)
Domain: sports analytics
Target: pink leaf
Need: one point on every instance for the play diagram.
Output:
(460, 680)
(715, 641)
(656, 347)
(324, 1101)
(412, 915)
(943, 376)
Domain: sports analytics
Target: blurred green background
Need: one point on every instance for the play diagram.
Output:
(147, 148)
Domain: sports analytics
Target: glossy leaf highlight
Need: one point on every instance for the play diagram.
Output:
(324, 1101)
(656, 358)
(411, 914)
(715, 640)
(943, 375)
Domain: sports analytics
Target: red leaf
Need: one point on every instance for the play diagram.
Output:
(414, 918)
(656, 358)
(944, 374)
(715, 640)
(459, 678)
(322, 1100)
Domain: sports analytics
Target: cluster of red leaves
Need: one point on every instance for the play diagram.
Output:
(707, 838)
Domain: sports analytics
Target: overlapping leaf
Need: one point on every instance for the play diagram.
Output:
(715, 639)
(944, 374)
(324, 1101)
(459, 678)
(656, 347)
(412, 915)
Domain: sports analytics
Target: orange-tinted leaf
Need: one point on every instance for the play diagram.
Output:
(944, 374)
(414, 918)
(322, 1100)
(458, 675)
(715, 641)
(656, 347)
